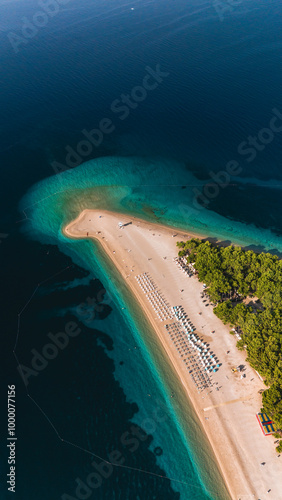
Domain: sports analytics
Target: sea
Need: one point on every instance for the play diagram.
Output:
(166, 110)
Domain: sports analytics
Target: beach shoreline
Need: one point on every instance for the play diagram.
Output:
(136, 248)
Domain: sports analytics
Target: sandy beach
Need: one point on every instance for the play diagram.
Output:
(227, 409)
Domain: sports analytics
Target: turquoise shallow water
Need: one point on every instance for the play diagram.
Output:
(156, 189)
(132, 185)
(187, 458)
(223, 83)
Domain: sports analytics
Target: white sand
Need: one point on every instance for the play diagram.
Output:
(232, 429)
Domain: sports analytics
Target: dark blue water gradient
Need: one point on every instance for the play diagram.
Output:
(224, 81)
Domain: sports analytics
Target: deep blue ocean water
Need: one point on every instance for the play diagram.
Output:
(222, 83)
